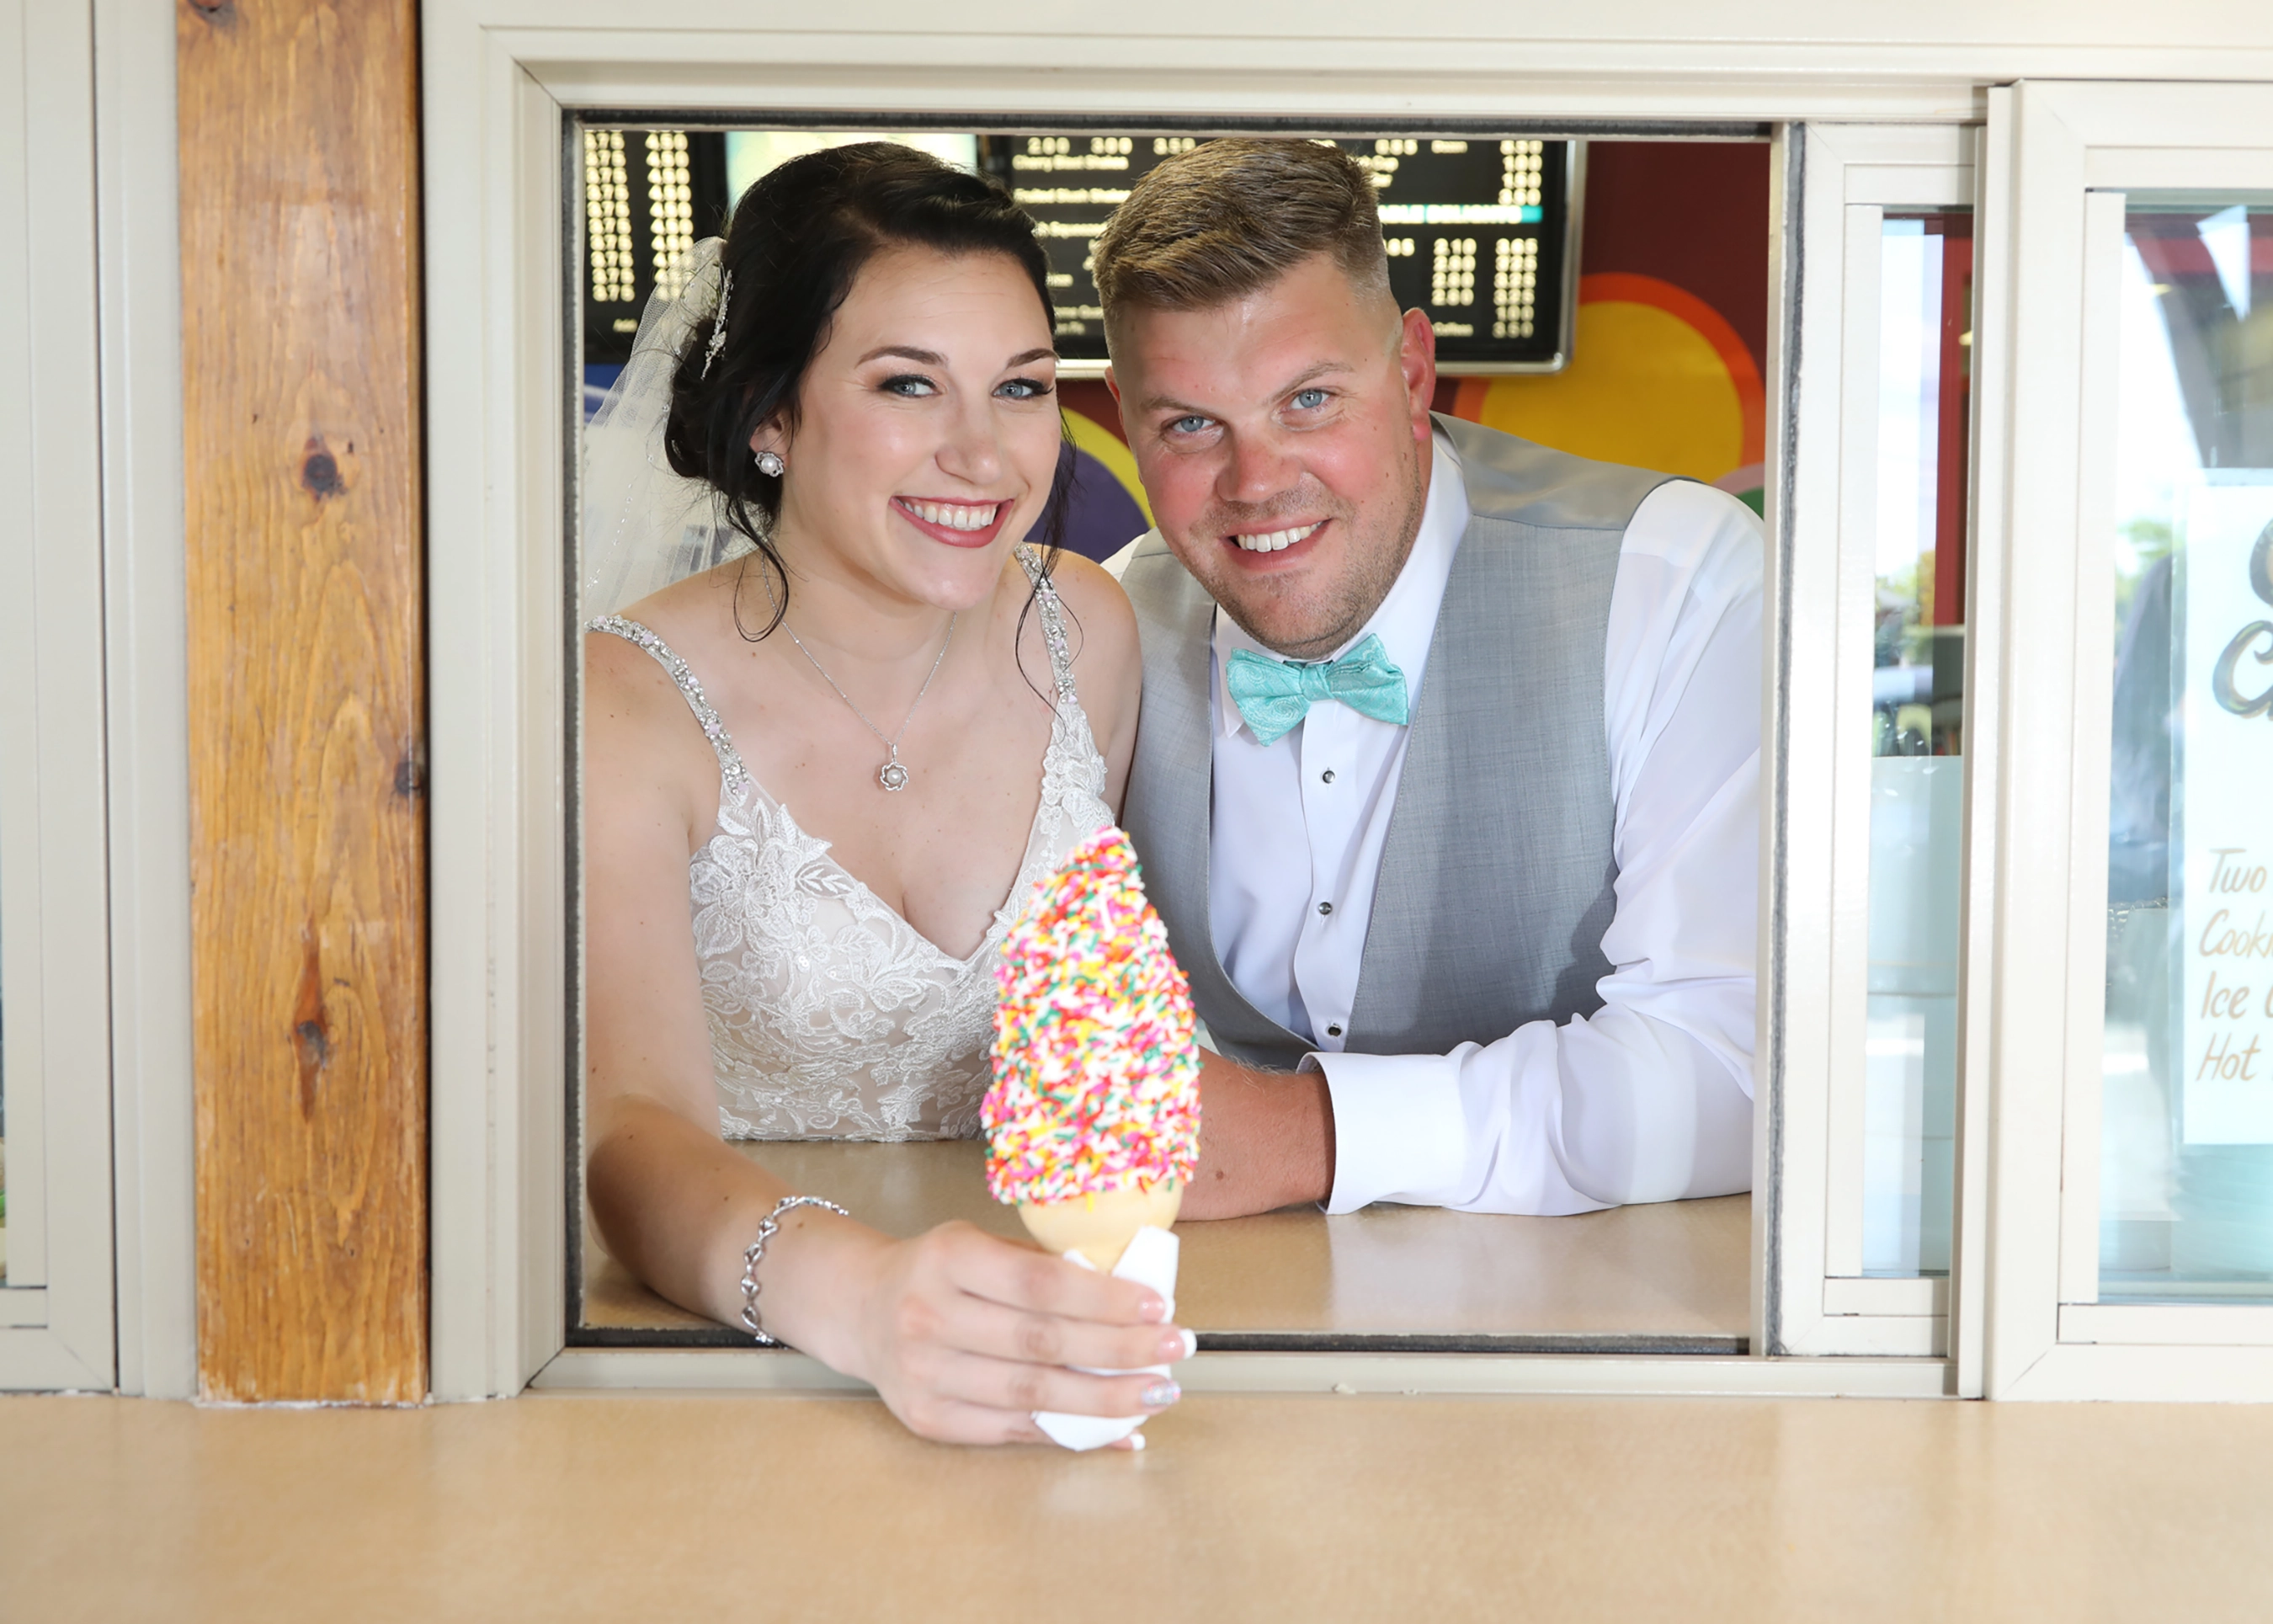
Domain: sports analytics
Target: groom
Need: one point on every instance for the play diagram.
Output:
(1446, 782)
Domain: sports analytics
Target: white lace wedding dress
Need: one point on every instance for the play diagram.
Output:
(830, 1016)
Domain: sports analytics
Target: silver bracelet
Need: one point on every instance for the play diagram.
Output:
(756, 1255)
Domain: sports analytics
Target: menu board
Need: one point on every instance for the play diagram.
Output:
(647, 196)
(1476, 230)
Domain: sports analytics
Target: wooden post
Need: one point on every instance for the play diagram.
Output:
(300, 364)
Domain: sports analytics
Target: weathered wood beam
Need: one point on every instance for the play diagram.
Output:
(301, 326)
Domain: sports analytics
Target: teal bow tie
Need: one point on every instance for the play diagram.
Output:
(1273, 695)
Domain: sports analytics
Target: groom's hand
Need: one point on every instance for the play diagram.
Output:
(1266, 1140)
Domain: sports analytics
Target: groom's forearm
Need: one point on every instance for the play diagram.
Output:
(1266, 1140)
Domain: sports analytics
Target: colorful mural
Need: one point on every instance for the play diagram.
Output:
(1671, 344)
(1657, 378)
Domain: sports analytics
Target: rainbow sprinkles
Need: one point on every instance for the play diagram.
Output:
(1096, 1056)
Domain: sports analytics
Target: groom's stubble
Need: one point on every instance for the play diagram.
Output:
(1380, 540)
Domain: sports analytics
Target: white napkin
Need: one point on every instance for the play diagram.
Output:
(1151, 1260)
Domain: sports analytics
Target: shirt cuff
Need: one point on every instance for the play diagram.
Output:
(1399, 1133)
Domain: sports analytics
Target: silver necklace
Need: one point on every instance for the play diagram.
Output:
(891, 775)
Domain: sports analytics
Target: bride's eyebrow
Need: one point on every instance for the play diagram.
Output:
(931, 358)
(921, 357)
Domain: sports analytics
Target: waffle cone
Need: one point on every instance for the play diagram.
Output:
(1100, 1227)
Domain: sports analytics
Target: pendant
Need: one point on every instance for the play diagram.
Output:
(892, 775)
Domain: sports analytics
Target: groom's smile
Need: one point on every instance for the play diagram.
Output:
(1274, 541)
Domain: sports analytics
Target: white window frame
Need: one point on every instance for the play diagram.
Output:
(2072, 149)
(138, 279)
(55, 1328)
(498, 75)
(1849, 176)
(95, 976)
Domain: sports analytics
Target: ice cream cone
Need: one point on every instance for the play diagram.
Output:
(1100, 1227)
(1092, 1120)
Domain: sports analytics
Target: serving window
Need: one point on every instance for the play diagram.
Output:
(1908, 1212)
(1876, 906)
(1640, 336)
(1695, 322)
(2134, 1255)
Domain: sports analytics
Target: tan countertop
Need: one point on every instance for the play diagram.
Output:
(1668, 1277)
(698, 1507)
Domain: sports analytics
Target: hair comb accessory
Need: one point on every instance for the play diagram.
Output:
(639, 514)
(718, 322)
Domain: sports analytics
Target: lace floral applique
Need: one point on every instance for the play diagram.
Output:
(830, 1016)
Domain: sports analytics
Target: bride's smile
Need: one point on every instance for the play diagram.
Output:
(958, 524)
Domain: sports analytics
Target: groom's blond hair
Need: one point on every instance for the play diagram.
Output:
(1229, 218)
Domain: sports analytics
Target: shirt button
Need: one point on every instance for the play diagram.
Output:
(1335, 1030)
(1325, 907)
(1327, 777)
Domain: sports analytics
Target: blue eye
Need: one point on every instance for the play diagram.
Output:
(1308, 400)
(1188, 426)
(1025, 388)
(911, 385)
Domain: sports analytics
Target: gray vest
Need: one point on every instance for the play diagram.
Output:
(1495, 879)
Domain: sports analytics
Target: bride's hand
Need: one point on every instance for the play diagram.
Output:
(965, 1336)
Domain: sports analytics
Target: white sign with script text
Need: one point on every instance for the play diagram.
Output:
(2224, 806)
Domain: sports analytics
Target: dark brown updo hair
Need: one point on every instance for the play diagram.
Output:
(796, 242)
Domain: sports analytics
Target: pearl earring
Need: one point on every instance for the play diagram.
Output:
(770, 465)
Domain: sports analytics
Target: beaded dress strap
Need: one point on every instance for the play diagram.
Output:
(1053, 632)
(732, 773)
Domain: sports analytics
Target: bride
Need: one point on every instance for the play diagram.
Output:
(847, 756)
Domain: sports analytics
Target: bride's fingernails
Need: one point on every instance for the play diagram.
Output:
(1178, 1345)
(1153, 1310)
(1160, 1395)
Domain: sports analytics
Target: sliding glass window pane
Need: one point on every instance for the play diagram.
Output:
(2186, 1115)
(1917, 718)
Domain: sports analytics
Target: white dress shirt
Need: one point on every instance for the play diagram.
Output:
(1650, 1097)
